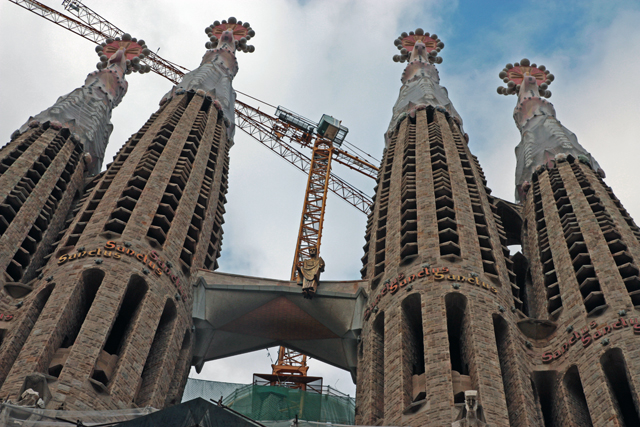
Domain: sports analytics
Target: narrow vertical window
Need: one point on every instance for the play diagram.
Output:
(378, 366)
(501, 330)
(615, 369)
(21, 333)
(153, 368)
(413, 348)
(91, 281)
(545, 391)
(456, 305)
(120, 330)
(576, 398)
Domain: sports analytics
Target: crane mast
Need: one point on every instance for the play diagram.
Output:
(315, 200)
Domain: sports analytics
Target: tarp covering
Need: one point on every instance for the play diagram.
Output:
(275, 403)
(195, 413)
(303, 423)
(14, 416)
(208, 389)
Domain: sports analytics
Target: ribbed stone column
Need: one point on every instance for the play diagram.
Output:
(436, 261)
(116, 331)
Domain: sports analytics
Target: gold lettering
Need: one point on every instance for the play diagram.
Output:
(63, 259)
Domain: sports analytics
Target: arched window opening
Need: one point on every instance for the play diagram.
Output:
(91, 281)
(456, 305)
(503, 342)
(523, 282)
(377, 353)
(22, 330)
(153, 367)
(120, 330)
(615, 369)
(413, 348)
(545, 392)
(576, 398)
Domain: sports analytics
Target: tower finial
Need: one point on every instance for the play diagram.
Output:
(515, 74)
(544, 138)
(420, 80)
(418, 45)
(230, 32)
(126, 50)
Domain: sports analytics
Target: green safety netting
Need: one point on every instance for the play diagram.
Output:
(273, 403)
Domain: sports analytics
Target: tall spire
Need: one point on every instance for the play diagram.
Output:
(218, 67)
(420, 79)
(435, 258)
(86, 111)
(543, 136)
(117, 333)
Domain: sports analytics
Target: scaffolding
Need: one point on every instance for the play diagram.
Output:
(275, 403)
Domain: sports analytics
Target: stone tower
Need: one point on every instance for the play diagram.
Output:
(43, 171)
(437, 265)
(111, 324)
(583, 279)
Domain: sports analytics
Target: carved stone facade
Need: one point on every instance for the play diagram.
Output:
(108, 324)
(435, 260)
(547, 336)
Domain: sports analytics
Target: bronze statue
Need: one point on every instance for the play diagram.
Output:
(309, 273)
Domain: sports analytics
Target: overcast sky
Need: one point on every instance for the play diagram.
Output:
(334, 57)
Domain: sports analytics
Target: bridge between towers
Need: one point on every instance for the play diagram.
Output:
(234, 314)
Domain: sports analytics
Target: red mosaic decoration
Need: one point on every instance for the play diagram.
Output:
(238, 30)
(516, 74)
(406, 43)
(513, 75)
(135, 51)
(242, 33)
(132, 49)
(410, 41)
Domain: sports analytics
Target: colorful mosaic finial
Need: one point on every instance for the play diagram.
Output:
(127, 49)
(514, 76)
(418, 44)
(421, 87)
(241, 31)
(219, 65)
(544, 140)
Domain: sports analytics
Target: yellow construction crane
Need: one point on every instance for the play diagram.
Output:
(279, 133)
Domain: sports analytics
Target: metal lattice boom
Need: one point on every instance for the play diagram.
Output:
(273, 133)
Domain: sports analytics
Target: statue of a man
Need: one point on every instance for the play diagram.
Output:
(309, 273)
(471, 414)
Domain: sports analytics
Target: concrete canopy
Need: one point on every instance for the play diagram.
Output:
(236, 314)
